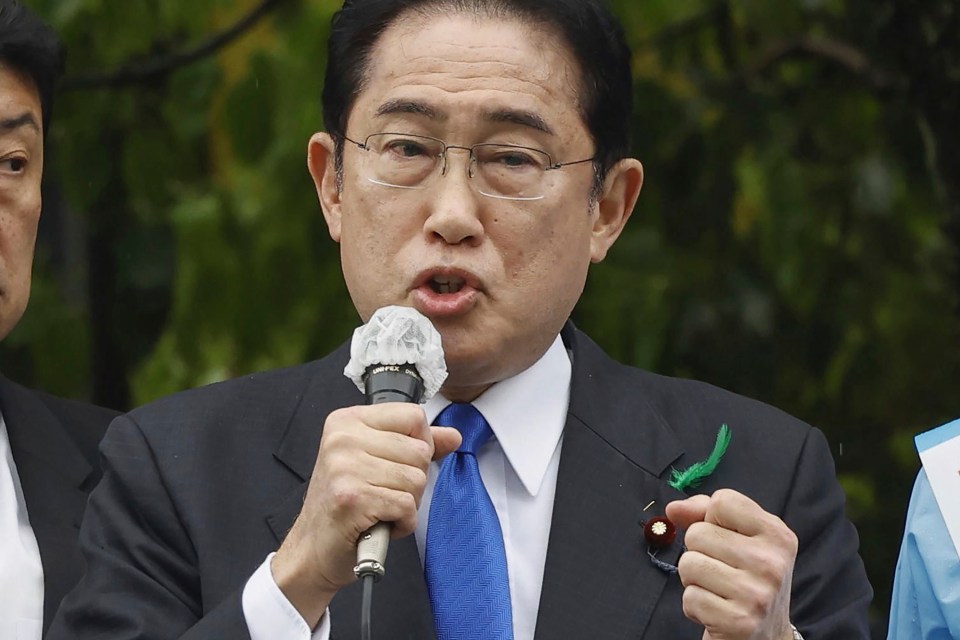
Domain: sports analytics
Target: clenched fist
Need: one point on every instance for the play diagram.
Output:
(737, 569)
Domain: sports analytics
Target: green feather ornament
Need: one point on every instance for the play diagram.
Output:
(696, 473)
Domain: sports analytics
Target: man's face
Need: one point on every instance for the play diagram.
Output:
(21, 166)
(497, 278)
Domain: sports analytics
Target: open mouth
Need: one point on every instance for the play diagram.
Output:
(446, 284)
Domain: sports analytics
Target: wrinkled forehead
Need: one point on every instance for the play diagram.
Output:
(18, 95)
(464, 49)
(546, 35)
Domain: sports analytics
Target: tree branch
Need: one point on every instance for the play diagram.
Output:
(838, 52)
(152, 68)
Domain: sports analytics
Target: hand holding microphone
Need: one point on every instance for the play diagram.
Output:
(396, 357)
(371, 467)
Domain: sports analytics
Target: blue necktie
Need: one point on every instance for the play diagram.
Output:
(465, 564)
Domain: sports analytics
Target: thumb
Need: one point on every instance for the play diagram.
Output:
(445, 441)
(683, 513)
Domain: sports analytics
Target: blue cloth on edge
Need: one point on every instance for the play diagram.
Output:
(926, 590)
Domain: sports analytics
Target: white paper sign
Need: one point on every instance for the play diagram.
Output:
(940, 452)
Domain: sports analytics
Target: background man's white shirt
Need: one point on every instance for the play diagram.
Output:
(21, 572)
(519, 470)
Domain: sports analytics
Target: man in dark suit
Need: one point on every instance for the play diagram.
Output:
(53, 442)
(48, 446)
(475, 164)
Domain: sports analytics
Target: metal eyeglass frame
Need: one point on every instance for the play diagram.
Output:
(551, 165)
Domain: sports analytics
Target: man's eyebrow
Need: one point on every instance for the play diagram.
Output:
(520, 117)
(410, 106)
(23, 120)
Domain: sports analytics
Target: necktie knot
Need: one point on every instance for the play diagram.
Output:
(469, 422)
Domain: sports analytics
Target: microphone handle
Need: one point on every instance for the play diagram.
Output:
(372, 551)
(384, 383)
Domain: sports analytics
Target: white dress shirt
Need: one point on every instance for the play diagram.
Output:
(518, 467)
(21, 573)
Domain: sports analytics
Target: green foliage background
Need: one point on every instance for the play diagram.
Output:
(792, 241)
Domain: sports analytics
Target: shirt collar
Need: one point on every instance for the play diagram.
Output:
(526, 413)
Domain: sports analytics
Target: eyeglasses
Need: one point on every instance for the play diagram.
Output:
(504, 171)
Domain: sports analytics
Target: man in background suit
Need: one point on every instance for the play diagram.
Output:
(475, 164)
(48, 446)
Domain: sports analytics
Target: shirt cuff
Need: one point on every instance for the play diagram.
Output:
(270, 616)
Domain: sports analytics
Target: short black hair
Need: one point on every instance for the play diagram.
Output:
(31, 46)
(592, 33)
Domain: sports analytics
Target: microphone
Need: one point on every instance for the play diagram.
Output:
(395, 357)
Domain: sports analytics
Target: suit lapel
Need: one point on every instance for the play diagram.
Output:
(326, 391)
(54, 475)
(598, 581)
(37, 434)
(401, 607)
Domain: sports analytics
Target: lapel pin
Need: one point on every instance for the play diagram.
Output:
(659, 532)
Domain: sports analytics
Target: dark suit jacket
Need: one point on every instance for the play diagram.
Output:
(54, 444)
(201, 486)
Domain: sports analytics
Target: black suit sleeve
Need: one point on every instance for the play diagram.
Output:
(830, 593)
(142, 578)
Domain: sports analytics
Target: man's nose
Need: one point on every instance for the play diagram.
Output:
(453, 203)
